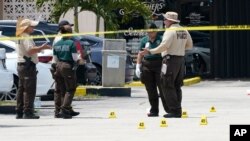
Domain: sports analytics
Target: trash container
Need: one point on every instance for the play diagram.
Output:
(113, 62)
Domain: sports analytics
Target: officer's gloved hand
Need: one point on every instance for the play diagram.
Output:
(138, 70)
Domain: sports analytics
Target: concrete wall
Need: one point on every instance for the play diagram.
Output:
(86, 20)
(1, 9)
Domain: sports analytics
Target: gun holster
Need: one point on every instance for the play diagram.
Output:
(28, 62)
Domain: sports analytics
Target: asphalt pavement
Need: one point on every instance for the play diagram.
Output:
(229, 98)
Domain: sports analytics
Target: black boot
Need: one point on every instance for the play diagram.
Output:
(73, 113)
(30, 115)
(65, 114)
(19, 115)
(57, 115)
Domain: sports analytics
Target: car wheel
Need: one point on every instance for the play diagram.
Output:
(98, 79)
(11, 95)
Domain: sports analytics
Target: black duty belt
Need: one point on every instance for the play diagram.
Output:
(20, 63)
(24, 64)
(153, 59)
(171, 56)
(69, 62)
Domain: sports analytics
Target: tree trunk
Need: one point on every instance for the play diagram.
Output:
(76, 28)
(98, 19)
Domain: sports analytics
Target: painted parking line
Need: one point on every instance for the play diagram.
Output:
(187, 82)
(82, 90)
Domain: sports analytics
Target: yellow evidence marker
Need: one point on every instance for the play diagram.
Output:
(184, 114)
(141, 125)
(212, 109)
(203, 120)
(163, 123)
(112, 115)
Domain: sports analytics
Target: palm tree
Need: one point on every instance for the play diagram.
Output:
(62, 7)
(105, 9)
(102, 8)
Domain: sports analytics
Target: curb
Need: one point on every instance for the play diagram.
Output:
(103, 91)
(187, 82)
(191, 81)
(7, 109)
(123, 91)
(81, 91)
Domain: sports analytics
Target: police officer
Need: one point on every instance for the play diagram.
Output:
(65, 56)
(26, 68)
(172, 48)
(151, 70)
(58, 94)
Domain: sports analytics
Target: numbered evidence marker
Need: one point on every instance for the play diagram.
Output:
(163, 123)
(112, 115)
(184, 114)
(141, 125)
(212, 109)
(203, 120)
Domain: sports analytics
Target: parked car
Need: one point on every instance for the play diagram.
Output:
(198, 58)
(86, 74)
(45, 56)
(44, 79)
(197, 62)
(95, 45)
(47, 28)
(7, 87)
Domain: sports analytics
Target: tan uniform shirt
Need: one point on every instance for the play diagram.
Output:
(22, 49)
(174, 42)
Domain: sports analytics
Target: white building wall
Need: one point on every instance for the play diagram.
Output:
(86, 20)
(13, 9)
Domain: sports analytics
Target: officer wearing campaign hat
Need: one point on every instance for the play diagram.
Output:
(172, 49)
(26, 68)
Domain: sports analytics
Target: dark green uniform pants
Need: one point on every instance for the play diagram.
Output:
(172, 82)
(150, 76)
(26, 88)
(65, 86)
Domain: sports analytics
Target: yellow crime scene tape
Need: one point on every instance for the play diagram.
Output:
(193, 28)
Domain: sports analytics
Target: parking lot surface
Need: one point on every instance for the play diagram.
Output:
(230, 99)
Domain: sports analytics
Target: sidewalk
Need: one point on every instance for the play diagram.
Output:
(229, 98)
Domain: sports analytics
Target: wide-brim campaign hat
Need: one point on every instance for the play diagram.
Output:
(23, 24)
(171, 16)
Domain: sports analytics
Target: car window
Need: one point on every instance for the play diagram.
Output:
(8, 31)
(8, 49)
(89, 42)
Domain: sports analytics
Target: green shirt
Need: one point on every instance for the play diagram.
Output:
(152, 45)
(64, 48)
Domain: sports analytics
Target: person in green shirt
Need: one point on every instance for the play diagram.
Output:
(65, 56)
(148, 69)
